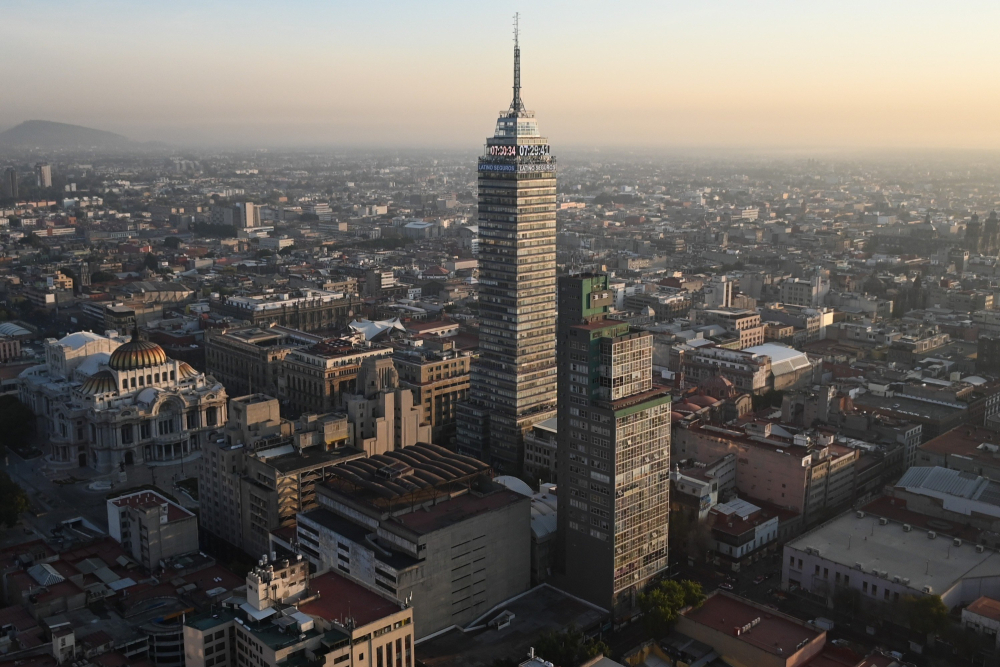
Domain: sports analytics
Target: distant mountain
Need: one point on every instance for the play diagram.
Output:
(47, 135)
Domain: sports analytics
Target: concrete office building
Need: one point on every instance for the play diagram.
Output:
(318, 378)
(614, 452)
(266, 469)
(421, 523)
(43, 175)
(151, 528)
(248, 360)
(383, 416)
(513, 383)
(743, 323)
(438, 376)
(290, 618)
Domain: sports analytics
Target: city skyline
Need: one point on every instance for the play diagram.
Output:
(643, 75)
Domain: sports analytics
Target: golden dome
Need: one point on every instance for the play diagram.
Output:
(102, 382)
(185, 370)
(137, 354)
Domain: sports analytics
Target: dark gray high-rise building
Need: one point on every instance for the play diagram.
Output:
(513, 384)
(613, 457)
(10, 182)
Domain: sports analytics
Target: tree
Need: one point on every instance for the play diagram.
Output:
(662, 604)
(568, 648)
(102, 277)
(17, 423)
(13, 501)
(172, 242)
(926, 614)
(150, 261)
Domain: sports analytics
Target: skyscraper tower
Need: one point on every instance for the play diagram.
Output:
(613, 457)
(43, 175)
(513, 384)
(10, 182)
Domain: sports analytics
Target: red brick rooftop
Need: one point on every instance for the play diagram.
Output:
(773, 632)
(340, 598)
(147, 499)
(987, 607)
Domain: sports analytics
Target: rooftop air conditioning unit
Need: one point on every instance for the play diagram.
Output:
(860, 514)
(907, 527)
(883, 521)
(895, 580)
(926, 589)
(906, 581)
(957, 542)
(859, 566)
(931, 534)
(980, 548)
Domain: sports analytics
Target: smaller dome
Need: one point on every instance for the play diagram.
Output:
(185, 370)
(686, 407)
(676, 416)
(100, 383)
(703, 401)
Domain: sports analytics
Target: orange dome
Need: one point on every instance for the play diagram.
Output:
(185, 370)
(99, 383)
(137, 354)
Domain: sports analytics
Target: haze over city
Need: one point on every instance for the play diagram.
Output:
(766, 75)
(636, 334)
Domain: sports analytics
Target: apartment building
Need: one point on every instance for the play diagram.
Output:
(438, 376)
(151, 528)
(291, 618)
(265, 469)
(749, 372)
(744, 323)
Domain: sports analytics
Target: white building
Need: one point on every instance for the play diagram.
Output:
(106, 403)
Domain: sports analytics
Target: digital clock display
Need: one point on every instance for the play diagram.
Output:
(536, 150)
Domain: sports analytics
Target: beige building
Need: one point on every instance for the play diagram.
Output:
(743, 323)
(438, 376)
(152, 528)
(288, 617)
(249, 360)
(265, 469)
(382, 415)
(317, 378)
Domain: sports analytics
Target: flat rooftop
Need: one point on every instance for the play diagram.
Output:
(461, 508)
(912, 555)
(769, 631)
(312, 457)
(148, 499)
(341, 598)
(541, 609)
(966, 441)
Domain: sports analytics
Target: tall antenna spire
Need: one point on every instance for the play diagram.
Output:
(517, 105)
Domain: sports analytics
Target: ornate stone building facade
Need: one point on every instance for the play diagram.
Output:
(103, 402)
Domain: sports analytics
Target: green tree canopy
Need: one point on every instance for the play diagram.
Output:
(150, 261)
(172, 242)
(568, 648)
(926, 614)
(102, 277)
(662, 604)
(13, 501)
(17, 423)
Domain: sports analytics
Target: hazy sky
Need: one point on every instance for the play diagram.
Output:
(803, 73)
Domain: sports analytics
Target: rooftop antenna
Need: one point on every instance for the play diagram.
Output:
(517, 106)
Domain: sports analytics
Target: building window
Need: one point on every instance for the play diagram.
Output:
(127, 434)
(144, 430)
(212, 416)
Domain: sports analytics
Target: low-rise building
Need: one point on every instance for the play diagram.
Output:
(317, 378)
(438, 376)
(740, 532)
(290, 618)
(248, 360)
(151, 528)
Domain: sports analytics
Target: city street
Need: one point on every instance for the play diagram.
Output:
(59, 492)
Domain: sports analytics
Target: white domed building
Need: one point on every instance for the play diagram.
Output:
(106, 400)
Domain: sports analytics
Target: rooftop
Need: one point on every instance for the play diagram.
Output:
(340, 598)
(457, 509)
(987, 607)
(975, 443)
(915, 557)
(539, 610)
(760, 627)
(150, 499)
